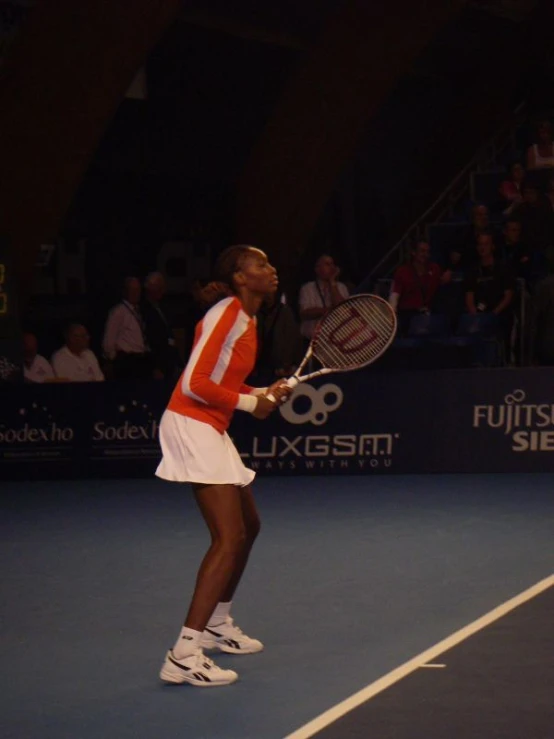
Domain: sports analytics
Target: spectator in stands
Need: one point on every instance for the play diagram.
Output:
(319, 296)
(158, 332)
(125, 344)
(490, 287)
(35, 367)
(511, 189)
(279, 339)
(542, 325)
(540, 155)
(75, 362)
(550, 192)
(415, 284)
(513, 250)
(463, 255)
(537, 221)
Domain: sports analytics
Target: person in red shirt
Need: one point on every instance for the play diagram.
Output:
(197, 449)
(415, 284)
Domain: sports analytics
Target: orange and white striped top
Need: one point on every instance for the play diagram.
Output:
(223, 355)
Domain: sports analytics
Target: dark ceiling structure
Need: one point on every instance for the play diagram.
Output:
(272, 103)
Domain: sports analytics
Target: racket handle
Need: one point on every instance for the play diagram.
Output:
(292, 382)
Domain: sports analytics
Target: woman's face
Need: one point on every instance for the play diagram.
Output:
(256, 273)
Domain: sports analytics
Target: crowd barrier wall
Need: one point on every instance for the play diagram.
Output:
(367, 422)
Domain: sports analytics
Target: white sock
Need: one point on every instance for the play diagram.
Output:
(220, 614)
(187, 643)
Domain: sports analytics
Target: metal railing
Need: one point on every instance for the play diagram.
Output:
(460, 187)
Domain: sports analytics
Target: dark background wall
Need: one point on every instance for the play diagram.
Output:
(171, 166)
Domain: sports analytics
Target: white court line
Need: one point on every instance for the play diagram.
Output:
(432, 666)
(331, 715)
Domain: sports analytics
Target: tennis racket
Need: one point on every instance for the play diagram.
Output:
(352, 335)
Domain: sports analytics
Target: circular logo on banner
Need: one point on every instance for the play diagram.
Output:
(308, 404)
(516, 397)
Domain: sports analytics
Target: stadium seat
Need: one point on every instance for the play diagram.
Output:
(407, 342)
(429, 325)
(480, 324)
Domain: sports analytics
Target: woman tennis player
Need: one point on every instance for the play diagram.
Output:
(197, 449)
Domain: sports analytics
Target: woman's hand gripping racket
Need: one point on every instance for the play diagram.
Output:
(352, 335)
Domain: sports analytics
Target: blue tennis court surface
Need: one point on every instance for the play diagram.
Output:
(497, 683)
(350, 578)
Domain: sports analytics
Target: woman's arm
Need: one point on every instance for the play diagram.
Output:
(211, 357)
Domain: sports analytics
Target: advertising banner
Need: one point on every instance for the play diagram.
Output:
(368, 422)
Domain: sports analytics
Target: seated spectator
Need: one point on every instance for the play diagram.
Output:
(125, 344)
(35, 367)
(158, 331)
(537, 220)
(463, 255)
(511, 189)
(490, 287)
(514, 251)
(540, 155)
(415, 284)
(75, 362)
(318, 297)
(279, 339)
(550, 192)
(542, 326)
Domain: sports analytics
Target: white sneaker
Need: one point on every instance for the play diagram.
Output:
(197, 669)
(229, 638)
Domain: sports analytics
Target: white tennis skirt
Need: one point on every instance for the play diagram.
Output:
(195, 452)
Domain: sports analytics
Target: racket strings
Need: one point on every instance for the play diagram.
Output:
(354, 333)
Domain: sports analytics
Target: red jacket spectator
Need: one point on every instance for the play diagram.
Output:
(415, 284)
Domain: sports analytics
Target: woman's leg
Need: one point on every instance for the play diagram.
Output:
(222, 509)
(251, 522)
(221, 633)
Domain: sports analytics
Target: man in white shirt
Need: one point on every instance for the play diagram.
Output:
(35, 367)
(75, 362)
(125, 343)
(318, 297)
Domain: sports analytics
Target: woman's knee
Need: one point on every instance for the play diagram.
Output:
(233, 541)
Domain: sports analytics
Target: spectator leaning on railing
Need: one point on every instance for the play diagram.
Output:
(490, 289)
(415, 284)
